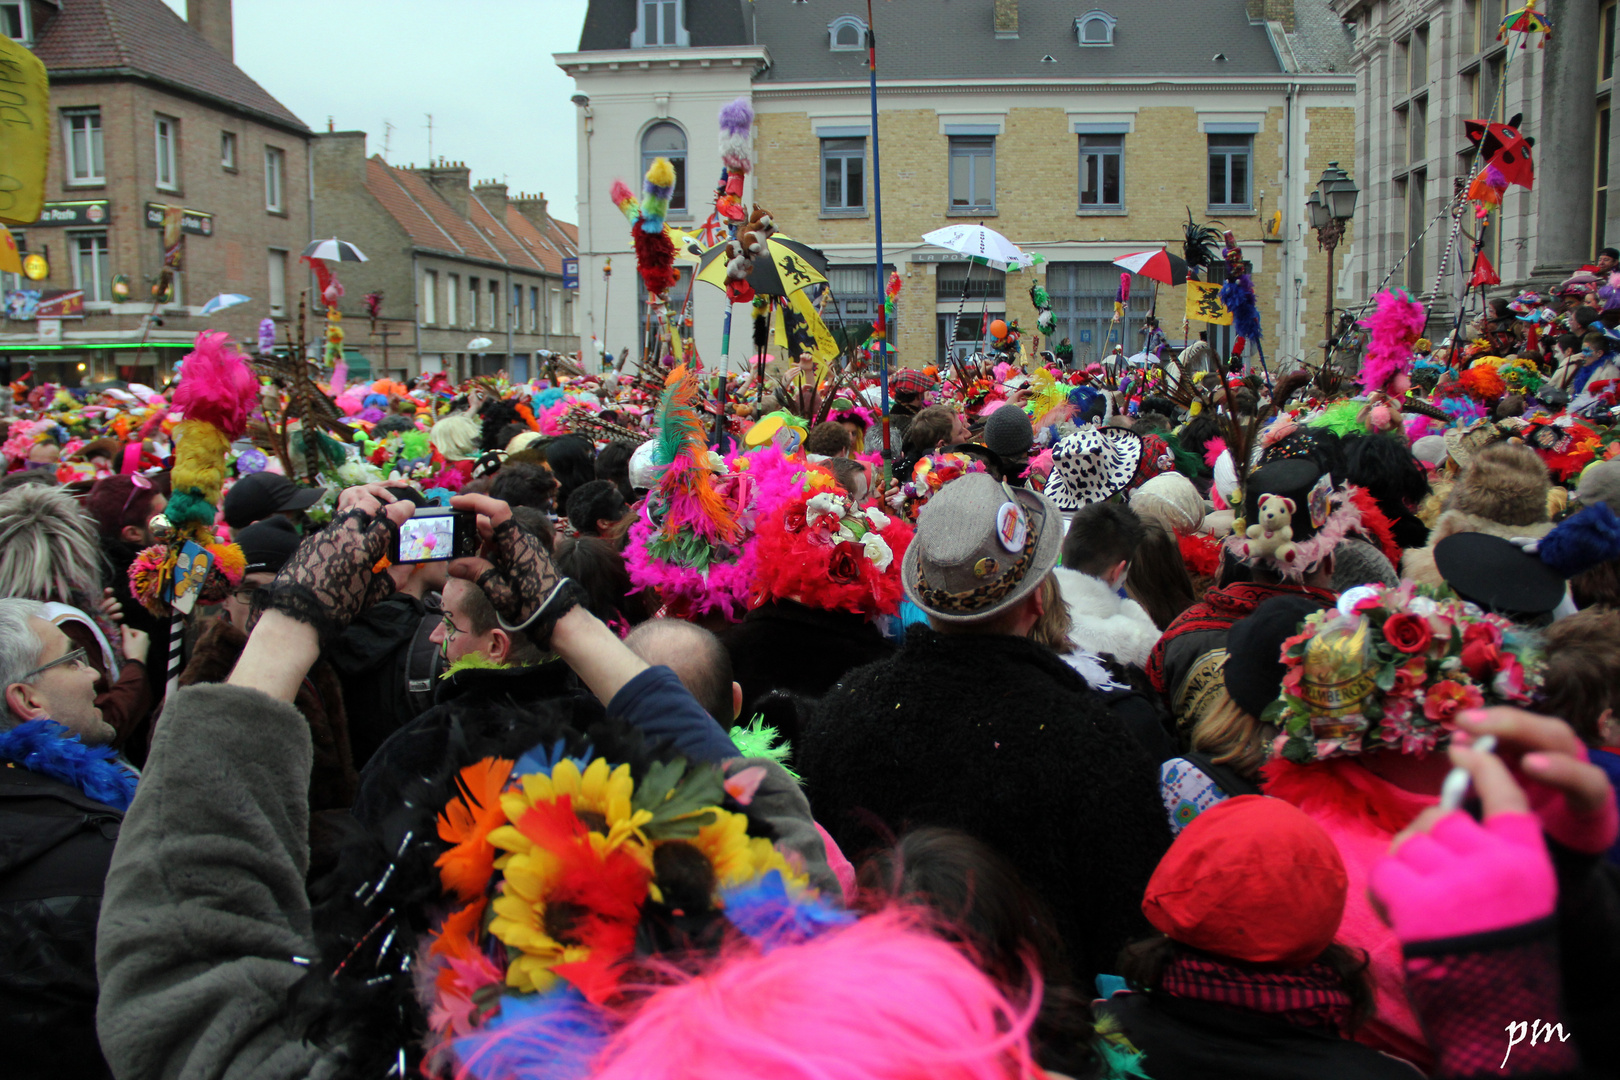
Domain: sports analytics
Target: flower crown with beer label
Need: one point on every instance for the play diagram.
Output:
(1391, 668)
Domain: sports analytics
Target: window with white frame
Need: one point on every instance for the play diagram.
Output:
(1230, 167)
(276, 265)
(973, 172)
(227, 150)
(452, 300)
(534, 310)
(847, 33)
(843, 174)
(659, 23)
(15, 22)
(81, 142)
(430, 297)
(1102, 172)
(90, 265)
(167, 131)
(474, 292)
(666, 140)
(1095, 28)
(275, 172)
(494, 304)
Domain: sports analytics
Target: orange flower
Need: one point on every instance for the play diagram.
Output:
(467, 822)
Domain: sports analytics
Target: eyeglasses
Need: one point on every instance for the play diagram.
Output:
(450, 628)
(246, 595)
(76, 658)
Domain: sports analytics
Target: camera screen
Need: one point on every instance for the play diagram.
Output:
(427, 538)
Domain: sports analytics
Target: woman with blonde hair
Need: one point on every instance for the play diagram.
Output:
(49, 553)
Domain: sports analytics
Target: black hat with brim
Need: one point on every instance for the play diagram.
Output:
(1498, 576)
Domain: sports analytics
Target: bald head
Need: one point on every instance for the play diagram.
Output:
(697, 658)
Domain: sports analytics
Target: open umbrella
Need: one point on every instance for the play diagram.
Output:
(334, 250)
(479, 344)
(976, 242)
(787, 266)
(1156, 265)
(223, 301)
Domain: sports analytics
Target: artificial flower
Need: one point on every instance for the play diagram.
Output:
(877, 549)
(1447, 698)
(1408, 633)
(844, 567)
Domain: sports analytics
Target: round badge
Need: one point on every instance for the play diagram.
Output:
(1012, 526)
(984, 567)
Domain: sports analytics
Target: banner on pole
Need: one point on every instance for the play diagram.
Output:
(1204, 304)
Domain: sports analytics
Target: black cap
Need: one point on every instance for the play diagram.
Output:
(267, 545)
(1498, 575)
(1254, 668)
(258, 495)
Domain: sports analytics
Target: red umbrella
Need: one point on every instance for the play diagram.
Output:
(1157, 265)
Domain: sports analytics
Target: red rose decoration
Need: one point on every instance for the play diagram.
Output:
(1481, 659)
(793, 520)
(1408, 633)
(844, 567)
(1447, 698)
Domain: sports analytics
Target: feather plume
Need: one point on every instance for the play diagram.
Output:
(624, 199)
(216, 385)
(655, 259)
(655, 192)
(1237, 293)
(1395, 324)
(736, 128)
(466, 823)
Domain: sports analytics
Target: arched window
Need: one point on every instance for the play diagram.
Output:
(847, 34)
(1095, 28)
(667, 140)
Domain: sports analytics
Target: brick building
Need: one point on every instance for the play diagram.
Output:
(1080, 131)
(1424, 67)
(455, 262)
(151, 112)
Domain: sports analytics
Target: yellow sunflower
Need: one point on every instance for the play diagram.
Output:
(737, 857)
(600, 796)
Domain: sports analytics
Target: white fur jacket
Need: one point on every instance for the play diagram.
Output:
(1104, 621)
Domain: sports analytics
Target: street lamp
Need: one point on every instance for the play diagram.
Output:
(1329, 207)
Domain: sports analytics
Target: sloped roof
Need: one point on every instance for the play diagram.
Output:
(433, 224)
(956, 39)
(609, 24)
(1320, 40)
(145, 38)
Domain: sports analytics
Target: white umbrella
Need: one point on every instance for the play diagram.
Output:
(478, 344)
(334, 250)
(223, 301)
(977, 242)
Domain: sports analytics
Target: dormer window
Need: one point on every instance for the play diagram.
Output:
(15, 23)
(847, 34)
(660, 24)
(1095, 28)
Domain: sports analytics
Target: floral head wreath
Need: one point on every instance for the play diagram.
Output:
(1391, 668)
(823, 550)
(931, 473)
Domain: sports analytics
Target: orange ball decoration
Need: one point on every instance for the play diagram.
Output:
(998, 329)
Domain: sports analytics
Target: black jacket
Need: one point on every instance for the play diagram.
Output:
(1184, 1039)
(118, 555)
(377, 659)
(783, 645)
(55, 846)
(998, 737)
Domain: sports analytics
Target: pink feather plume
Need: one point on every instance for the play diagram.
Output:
(1213, 451)
(1393, 326)
(216, 385)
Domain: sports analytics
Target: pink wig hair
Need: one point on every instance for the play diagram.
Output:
(1392, 328)
(878, 1000)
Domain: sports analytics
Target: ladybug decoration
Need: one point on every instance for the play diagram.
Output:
(1504, 149)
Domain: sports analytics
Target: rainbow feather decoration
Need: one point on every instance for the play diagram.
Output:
(736, 126)
(624, 199)
(657, 188)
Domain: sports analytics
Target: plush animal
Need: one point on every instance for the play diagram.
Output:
(1271, 536)
(742, 251)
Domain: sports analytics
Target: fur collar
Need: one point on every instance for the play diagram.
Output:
(1418, 563)
(1104, 621)
(49, 749)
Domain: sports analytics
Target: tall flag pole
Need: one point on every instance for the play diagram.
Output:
(877, 215)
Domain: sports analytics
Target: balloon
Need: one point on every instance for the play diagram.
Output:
(998, 329)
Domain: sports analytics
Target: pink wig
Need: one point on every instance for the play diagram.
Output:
(878, 1000)
(1397, 322)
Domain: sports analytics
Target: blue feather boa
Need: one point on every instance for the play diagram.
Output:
(48, 748)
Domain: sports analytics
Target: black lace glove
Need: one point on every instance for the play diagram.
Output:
(329, 579)
(524, 585)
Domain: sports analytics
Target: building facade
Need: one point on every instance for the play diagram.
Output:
(1423, 68)
(1080, 132)
(150, 112)
(472, 279)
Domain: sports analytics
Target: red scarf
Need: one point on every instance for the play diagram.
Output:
(1311, 996)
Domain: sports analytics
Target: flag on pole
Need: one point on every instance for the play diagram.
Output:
(1204, 304)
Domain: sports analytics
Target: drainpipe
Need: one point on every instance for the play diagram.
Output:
(416, 314)
(1290, 253)
(511, 314)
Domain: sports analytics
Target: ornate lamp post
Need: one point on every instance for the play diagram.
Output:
(1330, 206)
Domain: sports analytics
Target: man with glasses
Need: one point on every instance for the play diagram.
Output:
(62, 797)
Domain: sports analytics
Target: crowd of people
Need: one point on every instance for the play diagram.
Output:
(1195, 721)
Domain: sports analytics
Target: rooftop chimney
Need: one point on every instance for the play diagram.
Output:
(452, 180)
(493, 196)
(1006, 18)
(212, 19)
(533, 207)
(1281, 11)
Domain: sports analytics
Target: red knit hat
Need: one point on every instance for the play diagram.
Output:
(1251, 879)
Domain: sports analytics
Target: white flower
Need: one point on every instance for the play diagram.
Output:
(824, 503)
(1422, 606)
(878, 518)
(877, 549)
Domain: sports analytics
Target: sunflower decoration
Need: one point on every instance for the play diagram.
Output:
(565, 867)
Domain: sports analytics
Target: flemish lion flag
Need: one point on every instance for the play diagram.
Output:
(804, 312)
(1204, 304)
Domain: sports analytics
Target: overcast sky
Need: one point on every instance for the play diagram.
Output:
(482, 67)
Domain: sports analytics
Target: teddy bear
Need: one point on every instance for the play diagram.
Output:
(1271, 536)
(741, 252)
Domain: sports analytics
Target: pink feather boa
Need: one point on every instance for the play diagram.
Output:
(216, 385)
(1397, 322)
(1344, 520)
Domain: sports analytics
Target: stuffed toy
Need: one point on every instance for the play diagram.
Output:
(1271, 536)
(748, 245)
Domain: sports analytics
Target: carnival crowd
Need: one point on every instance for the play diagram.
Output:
(1190, 720)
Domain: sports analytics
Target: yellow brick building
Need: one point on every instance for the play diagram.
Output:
(1079, 132)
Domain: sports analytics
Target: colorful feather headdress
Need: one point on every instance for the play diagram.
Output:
(1392, 329)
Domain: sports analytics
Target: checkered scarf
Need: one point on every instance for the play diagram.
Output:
(1309, 996)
